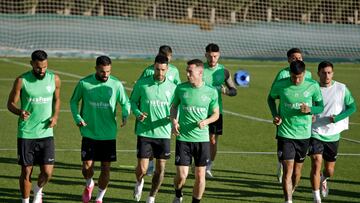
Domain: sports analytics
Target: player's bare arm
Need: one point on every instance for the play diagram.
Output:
(56, 102)
(175, 124)
(14, 98)
(214, 117)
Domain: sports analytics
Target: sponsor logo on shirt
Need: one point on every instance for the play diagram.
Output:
(194, 109)
(158, 103)
(40, 100)
(295, 105)
(100, 105)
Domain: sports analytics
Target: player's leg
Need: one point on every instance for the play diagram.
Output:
(25, 182)
(286, 153)
(301, 148)
(46, 157)
(201, 155)
(105, 152)
(315, 152)
(183, 159)
(215, 130)
(103, 181)
(329, 155)
(161, 151)
(25, 151)
(144, 152)
(87, 157)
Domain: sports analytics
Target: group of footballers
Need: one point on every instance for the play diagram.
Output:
(309, 117)
(162, 105)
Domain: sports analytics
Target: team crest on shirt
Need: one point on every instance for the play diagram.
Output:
(48, 88)
(306, 94)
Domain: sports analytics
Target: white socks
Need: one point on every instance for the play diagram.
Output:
(289, 201)
(25, 200)
(316, 195)
(89, 182)
(100, 194)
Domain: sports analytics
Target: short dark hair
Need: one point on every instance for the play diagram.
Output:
(165, 50)
(297, 67)
(293, 51)
(39, 55)
(103, 60)
(324, 64)
(196, 62)
(212, 48)
(161, 59)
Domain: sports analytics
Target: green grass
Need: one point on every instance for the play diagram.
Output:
(239, 177)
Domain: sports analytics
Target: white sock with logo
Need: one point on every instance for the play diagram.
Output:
(316, 195)
(100, 194)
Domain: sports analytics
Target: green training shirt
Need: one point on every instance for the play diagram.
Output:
(195, 104)
(98, 106)
(215, 77)
(37, 98)
(295, 124)
(154, 98)
(172, 73)
(285, 73)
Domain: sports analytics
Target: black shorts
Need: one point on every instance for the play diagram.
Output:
(149, 147)
(292, 149)
(217, 126)
(98, 150)
(186, 150)
(36, 151)
(328, 150)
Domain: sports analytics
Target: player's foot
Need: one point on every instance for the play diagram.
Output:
(38, 197)
(86, 197)
(150, 199)
(208, 174)
(138, 190)
(177, 200)
(324, 187)
(151, 168)
(279, 172)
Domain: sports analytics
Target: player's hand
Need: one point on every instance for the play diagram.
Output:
(142, 116)
(332, 119)
(124, 121)
(277, 120)
(53, 122)
(175, 130)
(304, 108)
(202, 124)
(313, 118)
(24, 115)
(81, 124)
(224, 89)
